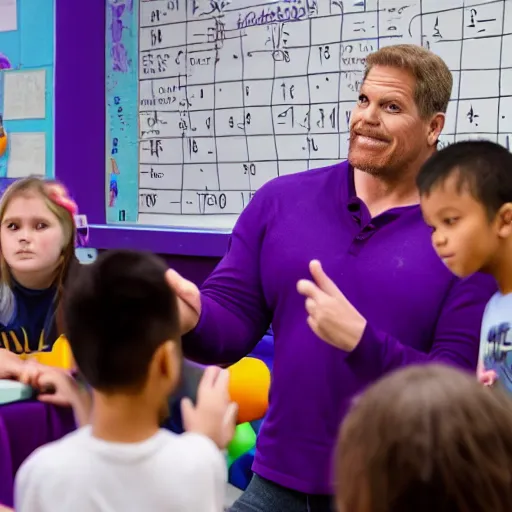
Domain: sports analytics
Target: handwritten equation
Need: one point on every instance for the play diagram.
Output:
(235, 93)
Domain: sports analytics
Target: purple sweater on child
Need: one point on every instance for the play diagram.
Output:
(416, 311)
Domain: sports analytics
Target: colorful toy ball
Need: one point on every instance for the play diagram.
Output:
(243, 441)
(249, 384)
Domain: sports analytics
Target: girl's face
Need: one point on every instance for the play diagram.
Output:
(31, 239)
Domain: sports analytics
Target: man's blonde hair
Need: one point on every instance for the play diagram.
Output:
(434, 80)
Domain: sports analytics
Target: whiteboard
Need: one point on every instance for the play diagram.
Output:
(231, 94)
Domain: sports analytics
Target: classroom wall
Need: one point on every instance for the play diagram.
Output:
(75, 153)
(194, 268)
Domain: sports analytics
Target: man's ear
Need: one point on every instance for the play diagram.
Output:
(504, 221)
(435, 128)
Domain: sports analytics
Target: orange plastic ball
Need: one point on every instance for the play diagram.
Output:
(249, 385)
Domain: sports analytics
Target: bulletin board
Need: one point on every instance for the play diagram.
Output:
(26, 88)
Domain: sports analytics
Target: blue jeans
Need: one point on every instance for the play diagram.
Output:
(264, 496)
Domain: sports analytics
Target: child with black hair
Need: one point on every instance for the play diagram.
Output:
(466, 197)
(122, 323)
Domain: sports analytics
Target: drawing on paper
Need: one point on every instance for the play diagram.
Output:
(113, 187)
(119, 53)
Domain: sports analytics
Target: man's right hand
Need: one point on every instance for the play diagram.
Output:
(189, 300)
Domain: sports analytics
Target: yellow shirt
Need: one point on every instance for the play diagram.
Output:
(60, 356)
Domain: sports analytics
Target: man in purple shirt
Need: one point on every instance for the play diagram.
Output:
(388, 301)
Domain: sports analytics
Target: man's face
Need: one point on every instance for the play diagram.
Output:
(387, 134)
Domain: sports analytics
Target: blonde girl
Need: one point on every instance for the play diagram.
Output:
(37, 255)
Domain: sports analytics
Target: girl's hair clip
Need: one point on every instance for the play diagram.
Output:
(59, 195)
(66, 203)
(82, 230)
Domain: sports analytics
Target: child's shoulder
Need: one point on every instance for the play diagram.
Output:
(499, 307)
(500, 301)
(55, 458)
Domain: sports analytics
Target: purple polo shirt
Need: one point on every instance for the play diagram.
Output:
(416, 310)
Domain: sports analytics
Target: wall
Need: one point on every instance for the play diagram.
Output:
(194, 268)
(80, 122)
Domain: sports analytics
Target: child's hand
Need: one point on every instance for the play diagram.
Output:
(214, 414)
(486, 377)
(55, 386)
(10, 365)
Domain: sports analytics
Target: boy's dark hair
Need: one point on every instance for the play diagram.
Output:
(484, 167)
(423, 439)
(117, 312)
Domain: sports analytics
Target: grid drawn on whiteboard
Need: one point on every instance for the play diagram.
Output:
(266, 89)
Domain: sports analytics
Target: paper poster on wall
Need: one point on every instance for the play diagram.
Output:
(27, 87)
(8, 15)
(27, 155)
(25, 95)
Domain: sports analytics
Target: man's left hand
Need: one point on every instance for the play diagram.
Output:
(330, 315)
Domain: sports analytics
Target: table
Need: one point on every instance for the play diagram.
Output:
(24, 426)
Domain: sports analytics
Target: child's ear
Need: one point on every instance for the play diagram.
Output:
(170, 362)
(504, 218)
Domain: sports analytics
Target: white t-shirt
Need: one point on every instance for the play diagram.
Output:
(80, 473)
(496, 338)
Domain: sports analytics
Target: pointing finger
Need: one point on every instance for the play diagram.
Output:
(323, 281)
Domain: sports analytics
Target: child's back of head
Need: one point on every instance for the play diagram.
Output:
(426, 439)
(122, 322)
